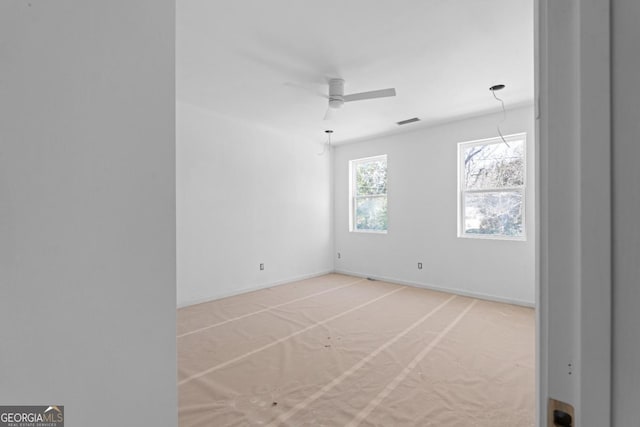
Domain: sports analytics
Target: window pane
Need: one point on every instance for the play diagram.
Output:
(494, 165)
(371, 214)
(497, 213)
(371, 177)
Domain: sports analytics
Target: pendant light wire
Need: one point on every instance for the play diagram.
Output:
(504, 113)
(327, 145)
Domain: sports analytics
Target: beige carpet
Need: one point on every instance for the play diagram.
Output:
(343, 351)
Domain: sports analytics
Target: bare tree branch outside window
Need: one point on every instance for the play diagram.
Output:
(492, 187)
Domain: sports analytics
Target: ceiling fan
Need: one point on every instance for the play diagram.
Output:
(337, 97)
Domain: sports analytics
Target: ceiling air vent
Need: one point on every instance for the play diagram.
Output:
(406, 122)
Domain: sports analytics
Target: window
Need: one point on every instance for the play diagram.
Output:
(491, 186)
(368, 195)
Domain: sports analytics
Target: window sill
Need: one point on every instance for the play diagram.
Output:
(493, 237)
(369, 231)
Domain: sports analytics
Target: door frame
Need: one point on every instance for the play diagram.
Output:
(573, 257)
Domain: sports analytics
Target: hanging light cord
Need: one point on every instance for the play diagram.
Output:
(504, 117)
(327, 145)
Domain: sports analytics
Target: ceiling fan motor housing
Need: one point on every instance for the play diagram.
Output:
(336, 93)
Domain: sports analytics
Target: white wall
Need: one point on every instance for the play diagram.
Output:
(422, 197)
(247, 196)
(626, 212)
(87, 209)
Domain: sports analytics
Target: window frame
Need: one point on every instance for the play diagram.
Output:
(353, 197)
(522, 189)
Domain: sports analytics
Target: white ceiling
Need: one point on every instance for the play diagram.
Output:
(267, 62)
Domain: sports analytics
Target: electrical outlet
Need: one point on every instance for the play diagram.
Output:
(261, 266)
(338, 255)
(419, 266)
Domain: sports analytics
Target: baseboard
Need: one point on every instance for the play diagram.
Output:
(253, 288)
(432, 287)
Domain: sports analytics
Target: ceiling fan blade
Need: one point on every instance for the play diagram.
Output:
(329, 114)
(382, 93)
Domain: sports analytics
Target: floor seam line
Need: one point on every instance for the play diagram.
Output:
(385, 392)
(285, 416)
(263, 310)
(280, 340)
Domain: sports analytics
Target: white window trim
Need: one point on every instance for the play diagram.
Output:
(353, 198)
(523, 189)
